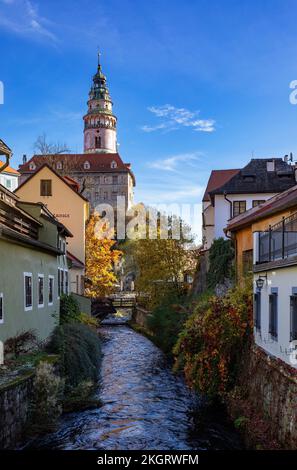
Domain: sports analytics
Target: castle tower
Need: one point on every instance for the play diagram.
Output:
(100, 134)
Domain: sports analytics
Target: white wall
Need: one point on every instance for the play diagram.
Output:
(222, 208)
(284, 279)
(9, 181)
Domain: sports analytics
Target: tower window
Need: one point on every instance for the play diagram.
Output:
(97, 142)
(87, 166)
(113, 164)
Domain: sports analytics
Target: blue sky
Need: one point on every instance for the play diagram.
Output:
(196, 85)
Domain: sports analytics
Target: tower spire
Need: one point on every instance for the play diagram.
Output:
(100, 122)
(99, 54)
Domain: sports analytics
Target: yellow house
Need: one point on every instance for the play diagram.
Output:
(61, 196)
(258, 219)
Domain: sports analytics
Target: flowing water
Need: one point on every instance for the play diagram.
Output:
(144, 405)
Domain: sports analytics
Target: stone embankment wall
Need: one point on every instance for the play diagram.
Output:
(14, 409)
(270, 388)
(140, 316)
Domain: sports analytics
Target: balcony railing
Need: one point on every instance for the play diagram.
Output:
(279, 242)
(10, 220)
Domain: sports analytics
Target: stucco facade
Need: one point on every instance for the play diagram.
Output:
(69, 207)
(33, 267)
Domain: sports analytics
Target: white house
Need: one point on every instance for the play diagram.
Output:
(9, 177)
(232, 192)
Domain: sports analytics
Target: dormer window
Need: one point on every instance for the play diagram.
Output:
(270, 166)
(59, 166)
(113, 164)
(87, 165)
(32, 166)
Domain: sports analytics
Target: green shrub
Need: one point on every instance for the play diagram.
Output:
(211, 344)
(80, 353)
(88, 320)
(166, 322)
(69, 309)
(221, 262)
(46, 403)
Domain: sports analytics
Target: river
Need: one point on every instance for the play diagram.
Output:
(144, 405)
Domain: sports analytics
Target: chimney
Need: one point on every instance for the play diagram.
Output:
(24, 159)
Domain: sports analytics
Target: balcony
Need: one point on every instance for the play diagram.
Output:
(278, 244)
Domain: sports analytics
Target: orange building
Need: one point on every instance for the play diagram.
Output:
(242, 227)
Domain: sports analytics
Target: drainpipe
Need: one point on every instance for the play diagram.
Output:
(230, 202)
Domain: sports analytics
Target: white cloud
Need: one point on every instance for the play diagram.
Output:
(175, 118)
(171, 163)
(22, 17)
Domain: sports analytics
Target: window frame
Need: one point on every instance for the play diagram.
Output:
(1, 308)
(273, 316)
(66, 281)
(258, 201)
(48, 193)
(257, 311)
(239, 203)
(293, 334)
(40, 305)
(51, 278)
(28, 308)
(59, 283)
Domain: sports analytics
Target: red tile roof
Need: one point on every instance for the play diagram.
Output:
(45, 165)
(76, 263)
(9, 169)
(273, 205)
(217, 179)
(71, 182)
(100, 162)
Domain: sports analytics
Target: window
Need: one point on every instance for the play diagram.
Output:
(115, 179)
(96, 196)
(50, 290)
(114, 195)
(238, 207)
(32, 166)
(8, 184)
(87, 166)
(105, 195)
(257, 311)
(45, 187)
(293, 319)
(59, 166)
(40, 290)
(257, 202)
(1, 309)
(62, 281)
(59, 282)
(97, 142)
(113, 164)
(273, 315)
(28, 291)
(66, 283)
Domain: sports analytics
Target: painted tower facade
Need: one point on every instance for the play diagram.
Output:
(100, 134)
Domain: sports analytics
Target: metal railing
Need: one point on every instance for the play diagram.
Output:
(280, 241)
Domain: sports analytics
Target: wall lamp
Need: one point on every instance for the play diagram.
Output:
(260, 281)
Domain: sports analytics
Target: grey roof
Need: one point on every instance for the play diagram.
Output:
(254, 178)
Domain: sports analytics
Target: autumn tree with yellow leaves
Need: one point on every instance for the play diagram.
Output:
(101, 258)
